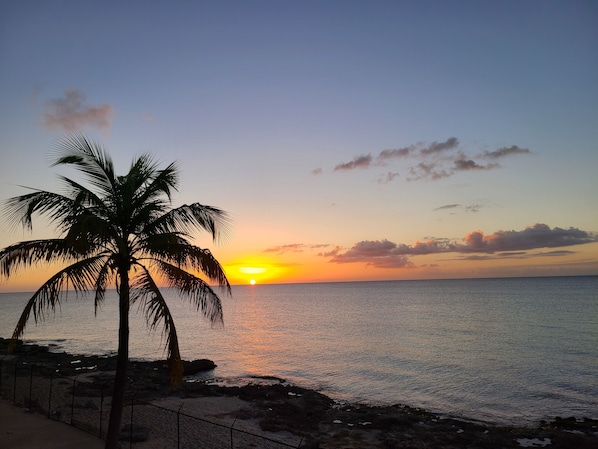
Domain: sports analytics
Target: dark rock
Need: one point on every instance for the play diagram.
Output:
(197, 366)
(564, 423)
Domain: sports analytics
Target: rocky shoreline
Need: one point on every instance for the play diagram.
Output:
(312, 416)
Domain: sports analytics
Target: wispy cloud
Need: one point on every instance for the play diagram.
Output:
(395, 153)
(71, 114)
(453, 207)
(517, 255)
(363, 161)
(462, 163)
(433, 161)
(388, 177)
(475, 245)
(448, 206)
(437, 147)
(506, 151)
(294, 248)
(430, 171)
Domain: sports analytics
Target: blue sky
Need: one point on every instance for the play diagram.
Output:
(280, 112)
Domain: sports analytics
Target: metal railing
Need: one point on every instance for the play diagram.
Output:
(76, 401)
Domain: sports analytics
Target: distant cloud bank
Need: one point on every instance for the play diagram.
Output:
(475, 245)
(432, 161)
(70, 113)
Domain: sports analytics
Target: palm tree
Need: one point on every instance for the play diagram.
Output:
(122, 231)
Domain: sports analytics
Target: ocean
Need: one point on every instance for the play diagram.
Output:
(502, 351)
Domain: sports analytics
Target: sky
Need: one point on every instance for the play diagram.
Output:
(348, 140)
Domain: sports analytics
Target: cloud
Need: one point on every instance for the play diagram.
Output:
(332, 253)
(468, 164)
(517, 255)
(448, 206)
(389, 177)
(556, 253)
(473, 208)
(317, 171)
(380, 254)
(359, 162)
(294, 248)
(71, 114)
(506, 151)
(437, 147)
(475, 246)
(468, 208)
(394, 153)
(433, 161)
(425, 170)
(537, 236)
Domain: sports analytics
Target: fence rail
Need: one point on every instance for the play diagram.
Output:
(76, 401)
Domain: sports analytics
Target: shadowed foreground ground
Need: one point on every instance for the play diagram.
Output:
(300, 416)
(22, 429)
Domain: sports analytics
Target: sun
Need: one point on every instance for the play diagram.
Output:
(253, 271)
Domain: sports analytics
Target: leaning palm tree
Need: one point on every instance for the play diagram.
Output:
(121, 231)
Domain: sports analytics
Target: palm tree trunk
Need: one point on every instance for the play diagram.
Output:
(120, 380)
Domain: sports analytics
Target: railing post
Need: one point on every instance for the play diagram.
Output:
(101, 409)
(131, 426)
(14, 388)
(50, 395)
(231, 434)
(178, 426)
(30, 386)
(73, 401)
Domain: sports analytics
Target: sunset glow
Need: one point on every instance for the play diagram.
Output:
(255, 270)
(252, 270)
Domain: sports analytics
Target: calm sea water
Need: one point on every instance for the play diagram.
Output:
(507, 351)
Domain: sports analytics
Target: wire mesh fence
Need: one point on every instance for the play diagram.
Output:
(75, 400)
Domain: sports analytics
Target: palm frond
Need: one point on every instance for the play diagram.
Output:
(176, 250)
(101, 282)
(88, 233)
(82, 196)
(165, 182)
(189, 218)
(20, 209)
(33, 252)
(201, 295)
(148, 202)
(157, 313)
(79, 276)
(90, 157)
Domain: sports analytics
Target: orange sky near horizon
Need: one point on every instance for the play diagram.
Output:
(310, 268)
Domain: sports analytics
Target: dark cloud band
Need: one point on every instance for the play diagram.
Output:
(386, 254)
